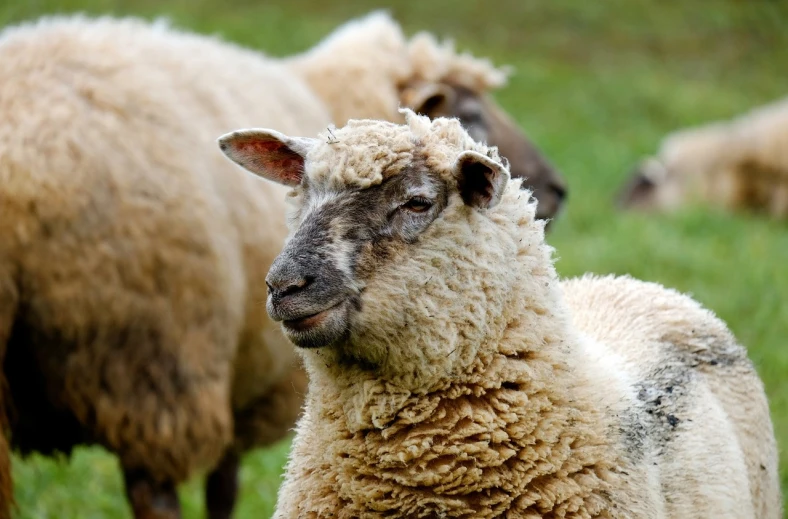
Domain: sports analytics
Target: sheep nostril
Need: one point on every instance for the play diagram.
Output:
(559, 191)
(289, 287)
(293, 288)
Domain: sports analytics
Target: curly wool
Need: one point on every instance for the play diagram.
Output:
(433, 61)
(454, 435)
(459, 421)
(365, 152)
(484, 394)
(377, 62)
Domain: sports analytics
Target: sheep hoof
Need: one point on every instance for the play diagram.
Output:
(221, 487)
(149, 499)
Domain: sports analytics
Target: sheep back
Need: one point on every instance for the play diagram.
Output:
(684, 364)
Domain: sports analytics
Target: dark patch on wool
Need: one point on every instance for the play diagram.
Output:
(661, 397)
(664, 391)
(41, 413)
(708, 351)
(37, 424)
(368, 225)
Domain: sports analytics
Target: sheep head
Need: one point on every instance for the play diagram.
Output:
(681, 171)
(642, 189)
(447, 83)
(487, 122)
(396, 251)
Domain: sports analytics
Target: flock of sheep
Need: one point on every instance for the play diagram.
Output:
(416, 334)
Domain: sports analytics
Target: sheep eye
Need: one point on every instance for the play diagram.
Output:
(417, 205)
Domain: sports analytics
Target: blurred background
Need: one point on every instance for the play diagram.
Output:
(596, 86)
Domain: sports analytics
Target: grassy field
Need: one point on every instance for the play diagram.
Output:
(597, 85)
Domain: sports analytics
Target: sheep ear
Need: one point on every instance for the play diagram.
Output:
(481, 180)
(268, 153)
(427, 98)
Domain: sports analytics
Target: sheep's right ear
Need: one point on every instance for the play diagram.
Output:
(268, 153)
(481, 180)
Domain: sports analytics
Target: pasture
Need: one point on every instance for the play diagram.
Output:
(596, 85)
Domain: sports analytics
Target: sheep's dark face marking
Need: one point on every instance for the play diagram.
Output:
(342, 234)
(340, 240)
(486, 122)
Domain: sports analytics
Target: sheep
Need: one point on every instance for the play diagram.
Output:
(132, 264)
(738, 165)
(94, 100)
(452, 374)
(367, 69)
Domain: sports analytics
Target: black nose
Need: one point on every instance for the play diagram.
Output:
(285, 284)
(559, 190)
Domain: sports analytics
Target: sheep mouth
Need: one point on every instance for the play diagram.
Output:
(318, 329)
(309, 321)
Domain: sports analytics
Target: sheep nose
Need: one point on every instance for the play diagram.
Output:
(559, 191)
(285, 285)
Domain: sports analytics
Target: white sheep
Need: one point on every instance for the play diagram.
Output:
(131, 219)
(451, 374)
(740, 164)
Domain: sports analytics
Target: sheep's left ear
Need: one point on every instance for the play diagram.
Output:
(481, 180)
(268, 153)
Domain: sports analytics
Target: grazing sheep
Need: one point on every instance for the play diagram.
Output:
(451, 374)
(113, 274)
(740, 164)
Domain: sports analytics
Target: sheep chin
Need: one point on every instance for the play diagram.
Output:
(320, 330)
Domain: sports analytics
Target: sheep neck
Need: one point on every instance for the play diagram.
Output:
(494, 433)
(489, 431)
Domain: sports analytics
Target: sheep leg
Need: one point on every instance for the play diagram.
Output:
(221, 487)
(9, 299)
(150, 499)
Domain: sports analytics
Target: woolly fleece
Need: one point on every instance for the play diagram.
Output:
(132, 254)
(95, 108)
(364, 68)
(470, 387)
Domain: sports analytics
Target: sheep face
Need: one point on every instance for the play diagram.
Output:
(677, 174)
(657, 185)
(486, 122)
(644, 186)
(363, 245)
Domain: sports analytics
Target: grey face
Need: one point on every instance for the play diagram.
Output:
(316, 282)
(486, 122)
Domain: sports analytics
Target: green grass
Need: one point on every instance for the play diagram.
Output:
(597, 85)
